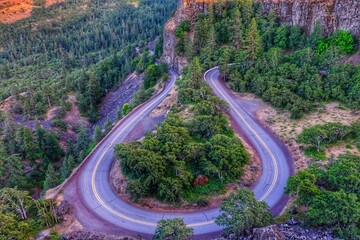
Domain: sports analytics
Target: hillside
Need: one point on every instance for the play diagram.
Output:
(14, 10)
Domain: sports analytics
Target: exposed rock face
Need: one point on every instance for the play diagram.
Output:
(271, 232)
(170, 41)
(332, 14)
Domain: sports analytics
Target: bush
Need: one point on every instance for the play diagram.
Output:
(202, 201)
(59, 124)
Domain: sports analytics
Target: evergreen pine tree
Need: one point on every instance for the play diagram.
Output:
(195, 73)
(315, 36)
(98, 135)
(108, 126)
(237, 29)
(67, 167)
(253, 44)
(52, 178)
(118, 114)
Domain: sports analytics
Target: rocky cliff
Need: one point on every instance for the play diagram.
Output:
(332, 14)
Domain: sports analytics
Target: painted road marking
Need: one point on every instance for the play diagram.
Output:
(101, 201)
(276, 170)
(133, 120)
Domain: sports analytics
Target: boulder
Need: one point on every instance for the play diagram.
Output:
(201, 180)
(271, 232)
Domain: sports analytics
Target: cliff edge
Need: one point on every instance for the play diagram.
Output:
(332, 14)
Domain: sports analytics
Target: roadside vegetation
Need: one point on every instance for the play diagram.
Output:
(21, 217)
(294, 72)
(166, 164)
(88, 50)
(328, 195)
(75, 48)
(153, 74)
(276, 62)
(172, 229)
(319, 137)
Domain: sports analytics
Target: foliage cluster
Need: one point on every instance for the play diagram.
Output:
(275, 61)
(172, 229)
(331, 195)
(165, 163)
(241, 213)
(320, 136)
(86, 50)
(21, 217)
(33, 158)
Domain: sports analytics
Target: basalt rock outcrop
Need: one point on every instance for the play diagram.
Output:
(331, 14)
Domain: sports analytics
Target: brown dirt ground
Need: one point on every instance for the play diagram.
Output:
(73, 117)
(280, 123)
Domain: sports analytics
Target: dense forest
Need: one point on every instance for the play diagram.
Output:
(87, 52)
(287, 68)
(72, 48)
(277, 62)
(167, 163)
(298, 72)
(85, 49)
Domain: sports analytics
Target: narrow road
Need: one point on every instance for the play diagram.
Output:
(92, 185)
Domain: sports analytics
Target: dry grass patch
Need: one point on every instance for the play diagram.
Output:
(288, 129)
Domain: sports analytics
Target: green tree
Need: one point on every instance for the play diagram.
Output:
(152, 74)
(224, 61)
(316, 36)
(253, 43)
(240, 213)
(344, 41)
(52, 178)
(15, 201)
(67, 166)
(108, 126)
(195, 73)
(119, 113)
(83, 139)
(172, 229)
(303, 184)
(296, 37)
(353, 98)
(339, 210)
(14, 173)
(125, 109)
(12, 229)
(237, 29)
(98, 134)
(315, 135)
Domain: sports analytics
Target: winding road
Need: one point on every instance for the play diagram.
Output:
(91, 181)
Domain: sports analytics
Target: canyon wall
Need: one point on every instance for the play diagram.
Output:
(332, 14)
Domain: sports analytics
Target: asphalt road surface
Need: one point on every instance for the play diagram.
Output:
(98, 197)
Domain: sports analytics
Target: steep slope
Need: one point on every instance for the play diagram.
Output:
(14, 10)
(331, 14)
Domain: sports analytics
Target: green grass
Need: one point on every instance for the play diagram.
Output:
(214, 187)
(314, 154)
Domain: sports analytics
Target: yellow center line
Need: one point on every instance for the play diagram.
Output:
(276, 170)
(100, 200)
(93, 185)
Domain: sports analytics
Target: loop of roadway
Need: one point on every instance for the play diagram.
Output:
(98, 196)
